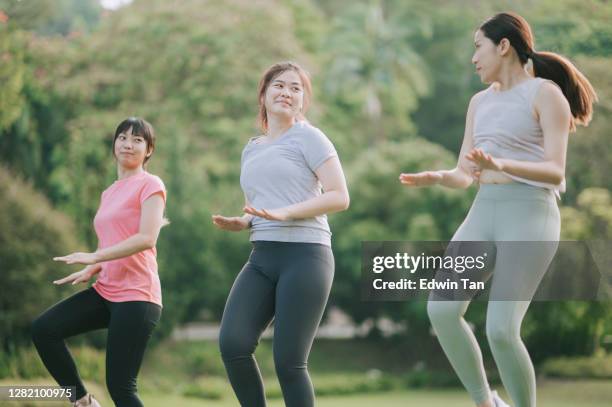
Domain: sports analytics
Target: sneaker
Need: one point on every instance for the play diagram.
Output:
(90, 401)
(497, 401)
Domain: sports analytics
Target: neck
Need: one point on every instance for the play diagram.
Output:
(278, 125)
(512, 75)
(123, 172)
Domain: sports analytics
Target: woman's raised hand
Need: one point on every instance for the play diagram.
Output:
(233, 224)
(484, 161)
(270, 214)
(82, 276)
(421, 179)
(78, 258)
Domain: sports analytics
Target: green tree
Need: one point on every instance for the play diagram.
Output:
(32, 232)
(384, 210)
(373, 70)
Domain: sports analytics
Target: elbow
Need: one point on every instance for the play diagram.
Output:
(463, 179)
(345, 202)
(558, 179)
(557, 176)
(148, 242)
(467, 182)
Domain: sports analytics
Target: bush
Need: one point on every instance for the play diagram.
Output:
(31, 234)
(579, 368)
(24, 363)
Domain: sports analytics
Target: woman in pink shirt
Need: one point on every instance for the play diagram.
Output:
(126, 297)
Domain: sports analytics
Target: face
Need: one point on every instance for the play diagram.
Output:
(131, 150)
(285, 95)
(488, 57)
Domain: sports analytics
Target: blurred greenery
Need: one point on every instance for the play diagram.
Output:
(391, 78)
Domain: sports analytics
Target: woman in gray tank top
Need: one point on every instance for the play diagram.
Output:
(514, 147)
(291, 177)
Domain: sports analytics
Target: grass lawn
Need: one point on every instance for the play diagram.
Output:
(353, 373)
(589, 393)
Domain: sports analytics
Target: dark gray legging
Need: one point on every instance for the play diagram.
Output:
(289, 282)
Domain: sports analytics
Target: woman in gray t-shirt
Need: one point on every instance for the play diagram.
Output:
(291, 177)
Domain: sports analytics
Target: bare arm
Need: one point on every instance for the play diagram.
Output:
(151, 221)
(458, 177)
(555, 115)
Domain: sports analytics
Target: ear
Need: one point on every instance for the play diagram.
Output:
(504, 46)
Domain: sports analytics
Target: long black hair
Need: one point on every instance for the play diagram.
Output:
(574, 85)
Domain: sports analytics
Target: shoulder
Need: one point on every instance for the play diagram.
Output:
(549, 94)
(251, 142)
(478, 96)
(249, 145)
(547, 90)
(308, 133)
(254, 140)
(152, 179)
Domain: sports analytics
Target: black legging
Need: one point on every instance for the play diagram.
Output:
(289, 282)
(130, 325)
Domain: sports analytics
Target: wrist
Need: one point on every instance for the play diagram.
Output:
(443, 175)
(289, 214)
(91, 270)
(97, 258)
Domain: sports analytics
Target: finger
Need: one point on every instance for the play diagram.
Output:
(268, 215)
(61, 258)
(253, 211)
(63, 280)
(81, 279)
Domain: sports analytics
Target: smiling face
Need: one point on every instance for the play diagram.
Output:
(487, 57)
(130, 149)
(284, 96)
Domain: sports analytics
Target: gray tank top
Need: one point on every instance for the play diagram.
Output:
(281, 173)
(505, 127)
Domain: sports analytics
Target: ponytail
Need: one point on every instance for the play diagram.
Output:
(575, 86)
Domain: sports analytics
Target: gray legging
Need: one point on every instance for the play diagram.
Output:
(289, 282)
(506, 212)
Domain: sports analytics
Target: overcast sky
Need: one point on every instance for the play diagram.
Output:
(114, 4)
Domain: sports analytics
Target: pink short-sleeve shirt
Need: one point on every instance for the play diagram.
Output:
(132, 278)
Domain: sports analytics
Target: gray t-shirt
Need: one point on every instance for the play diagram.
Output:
(281, 173)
